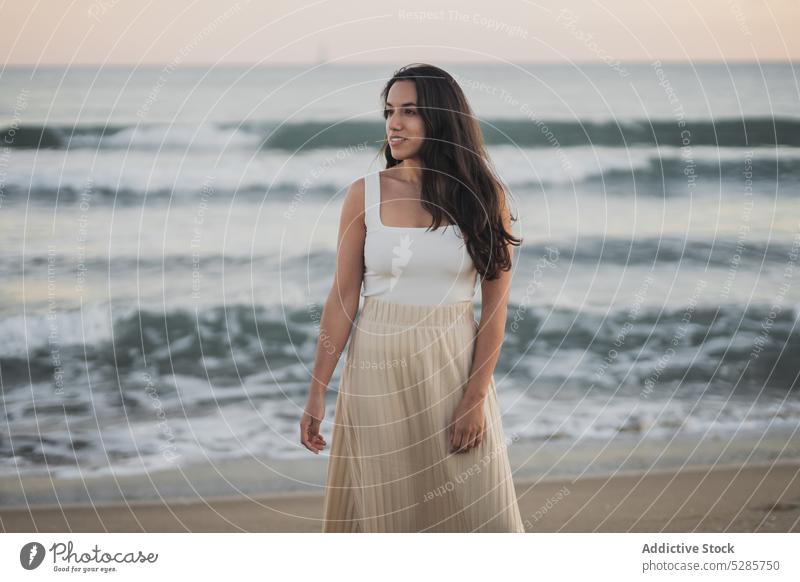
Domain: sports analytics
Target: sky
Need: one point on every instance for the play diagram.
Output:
(197, 32)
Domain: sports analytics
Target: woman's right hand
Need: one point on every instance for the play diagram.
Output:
(309, 425)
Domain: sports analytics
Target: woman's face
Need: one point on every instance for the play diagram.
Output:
(405, 129)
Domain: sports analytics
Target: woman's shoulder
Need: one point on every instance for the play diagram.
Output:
(357, 190)
(353, 205)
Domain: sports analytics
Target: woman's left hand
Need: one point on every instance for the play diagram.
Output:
(467, 428)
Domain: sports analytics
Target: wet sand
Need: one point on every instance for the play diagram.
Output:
(721, 499)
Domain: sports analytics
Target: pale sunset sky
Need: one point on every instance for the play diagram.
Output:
(146, 32)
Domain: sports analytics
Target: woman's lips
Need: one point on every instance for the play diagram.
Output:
(396, 140)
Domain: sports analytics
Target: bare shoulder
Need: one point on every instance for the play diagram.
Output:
(355, 193)
(353, 206)
(357, 188)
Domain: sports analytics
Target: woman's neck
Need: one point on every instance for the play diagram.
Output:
(409, 171)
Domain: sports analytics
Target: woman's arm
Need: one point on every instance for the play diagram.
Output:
(338, 312)
(341, 304)
(492, 326)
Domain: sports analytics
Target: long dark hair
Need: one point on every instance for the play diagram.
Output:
(461, 183)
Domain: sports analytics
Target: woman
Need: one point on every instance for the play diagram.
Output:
(417, 439)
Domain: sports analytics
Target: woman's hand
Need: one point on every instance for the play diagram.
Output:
(309, 425)
(468, 425)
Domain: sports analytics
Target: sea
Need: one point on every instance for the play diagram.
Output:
(168, 236)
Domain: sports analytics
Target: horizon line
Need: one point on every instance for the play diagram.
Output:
(395, 63)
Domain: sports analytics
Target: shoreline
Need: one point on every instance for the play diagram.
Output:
(237, 478)
(746, 498)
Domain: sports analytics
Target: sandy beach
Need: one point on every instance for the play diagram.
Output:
(723, 499)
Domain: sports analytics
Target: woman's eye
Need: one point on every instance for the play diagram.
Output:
(388, 112)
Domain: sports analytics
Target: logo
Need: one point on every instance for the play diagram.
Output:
(31, 555)
(402, 255)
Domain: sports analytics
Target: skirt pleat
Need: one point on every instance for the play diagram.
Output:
(390, 468)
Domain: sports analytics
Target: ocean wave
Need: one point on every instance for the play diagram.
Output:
(177, 380)
(47, 174)
(522, 132)
(749, 254)
(234, 341)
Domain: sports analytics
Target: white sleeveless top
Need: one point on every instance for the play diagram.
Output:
(413, 265)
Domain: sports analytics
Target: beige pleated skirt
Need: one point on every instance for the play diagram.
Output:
(390, 467)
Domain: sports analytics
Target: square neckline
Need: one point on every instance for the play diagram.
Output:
(378, 213)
